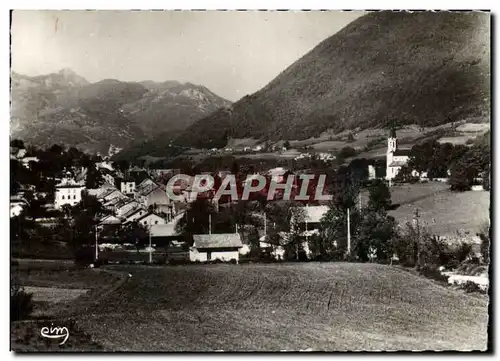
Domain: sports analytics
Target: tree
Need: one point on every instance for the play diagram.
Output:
(283, 220)
(376, 232)
(461, 177)
(17, 143)
(121, 165)
(286, 144)
(380, 196)
(94, 178)
(346, 152)
(376, 228)
(405, 175)
(196, 218)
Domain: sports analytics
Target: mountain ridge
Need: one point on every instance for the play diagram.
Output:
(65, 108)
(425, 68)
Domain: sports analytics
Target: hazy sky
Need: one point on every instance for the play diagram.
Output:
(231, 53)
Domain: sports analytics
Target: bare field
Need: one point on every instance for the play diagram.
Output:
(318, 306)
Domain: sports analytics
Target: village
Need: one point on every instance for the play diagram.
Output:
(139, 222)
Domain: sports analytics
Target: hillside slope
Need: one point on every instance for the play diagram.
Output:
(64, 108)
(426, 68)
(272, 307)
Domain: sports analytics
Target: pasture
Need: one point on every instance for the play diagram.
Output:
(442, 212)
(273, 307)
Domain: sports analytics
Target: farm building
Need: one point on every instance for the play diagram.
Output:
(210, 247)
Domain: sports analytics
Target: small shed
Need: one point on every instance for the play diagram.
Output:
(210, 247)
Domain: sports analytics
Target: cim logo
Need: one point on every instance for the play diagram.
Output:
(55, 333)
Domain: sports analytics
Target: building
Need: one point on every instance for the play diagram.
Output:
(124, 206)
(133, 215)
(396, 158)
(210, 247)
(68, 192)
(150, 219)
(127, 186)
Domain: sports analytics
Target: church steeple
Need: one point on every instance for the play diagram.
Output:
(393, 132)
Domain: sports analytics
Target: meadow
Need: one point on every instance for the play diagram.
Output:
(273, 307)
(442, 211)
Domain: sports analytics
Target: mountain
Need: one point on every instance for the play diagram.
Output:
(425, 68)
(65, 108)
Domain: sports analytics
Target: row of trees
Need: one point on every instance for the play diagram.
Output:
(465, 163)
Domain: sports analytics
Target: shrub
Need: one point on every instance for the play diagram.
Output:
(21, 303)
(471, 287)
(84, 256)
(433, 273)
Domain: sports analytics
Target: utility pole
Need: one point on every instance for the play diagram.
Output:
(150, 250)
(96, 244)
(209, 223)
(348, 233)
(417, 243)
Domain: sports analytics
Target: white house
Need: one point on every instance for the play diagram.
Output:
(68, 192)
(210, 247)
(396, 158)
(127, 186)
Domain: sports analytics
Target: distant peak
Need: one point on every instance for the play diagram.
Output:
(67, 71)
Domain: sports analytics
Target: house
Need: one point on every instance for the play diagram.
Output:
(102, 191)
(124, 206)
(150, 219)
(396, 158)
(127, 186)
(133, 215)
(68, 192)
(112, 194)
(210, 247)
(154, 195)
(109, 221)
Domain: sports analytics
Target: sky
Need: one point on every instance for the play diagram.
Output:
(231, 53)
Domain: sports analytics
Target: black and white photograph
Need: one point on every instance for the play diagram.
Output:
(250, 180)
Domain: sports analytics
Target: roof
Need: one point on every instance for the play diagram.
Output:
(132, 212)
(221, 240)
(163, 230)
(69, 183)
(144, 191)
(124, 202)
(398, 163)
(110, 220)
(147, 215)
(400, 152)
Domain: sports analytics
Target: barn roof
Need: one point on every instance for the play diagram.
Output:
(222, 240)
(163, 230)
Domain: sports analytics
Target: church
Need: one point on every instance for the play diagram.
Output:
(396, 158)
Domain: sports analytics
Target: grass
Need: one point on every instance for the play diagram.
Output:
(322, 306)
(442, 212)
(60, 290)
